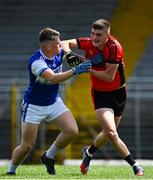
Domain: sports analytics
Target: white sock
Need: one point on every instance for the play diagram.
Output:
(12, 167)
(135, 164)
(90, 155)
(52, 151)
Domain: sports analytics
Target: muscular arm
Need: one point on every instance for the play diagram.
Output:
(40, 69)
(67, 45)
(106, 75)
(49, 75)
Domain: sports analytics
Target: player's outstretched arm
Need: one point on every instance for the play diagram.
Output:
(49, 75)
(72, 58)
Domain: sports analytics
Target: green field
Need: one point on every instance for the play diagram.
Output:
(72, 172)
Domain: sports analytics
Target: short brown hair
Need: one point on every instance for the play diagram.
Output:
(101, 24)
(48, 34)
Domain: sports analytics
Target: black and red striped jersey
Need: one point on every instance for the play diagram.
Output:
(112, 53)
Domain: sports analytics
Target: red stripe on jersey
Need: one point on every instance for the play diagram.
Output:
(112, 49)
(113, 53)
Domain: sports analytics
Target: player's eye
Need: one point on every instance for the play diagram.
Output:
(96, 34)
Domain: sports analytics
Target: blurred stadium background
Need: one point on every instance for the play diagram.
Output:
(132, 24)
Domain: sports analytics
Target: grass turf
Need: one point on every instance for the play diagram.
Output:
(72, 172)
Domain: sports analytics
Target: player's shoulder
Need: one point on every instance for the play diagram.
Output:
(85, 38)
(35, 56)
(113, 42)
(84, 43)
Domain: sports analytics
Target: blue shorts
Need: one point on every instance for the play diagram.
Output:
(36, 114)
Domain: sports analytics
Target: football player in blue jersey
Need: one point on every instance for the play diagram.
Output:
(41, 101)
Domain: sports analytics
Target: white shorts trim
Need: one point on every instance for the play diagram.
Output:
(36, 114)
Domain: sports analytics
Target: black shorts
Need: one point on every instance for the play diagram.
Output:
(115, 100)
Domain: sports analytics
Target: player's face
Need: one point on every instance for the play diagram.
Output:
(99, 37)
(55, 45)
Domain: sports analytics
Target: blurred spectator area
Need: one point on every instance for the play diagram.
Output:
(132, 24)
(20, 23)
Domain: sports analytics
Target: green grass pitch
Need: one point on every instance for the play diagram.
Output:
(72, 172)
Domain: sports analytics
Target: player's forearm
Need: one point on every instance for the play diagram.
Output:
(102, 75)
(59, 77)
(67, 45)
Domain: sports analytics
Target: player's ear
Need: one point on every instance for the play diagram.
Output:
(49, 46)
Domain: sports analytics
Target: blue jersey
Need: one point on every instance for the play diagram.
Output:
(40, 91)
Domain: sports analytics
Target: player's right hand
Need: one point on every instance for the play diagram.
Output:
(72, 59)
(97, 60)
(82, 68)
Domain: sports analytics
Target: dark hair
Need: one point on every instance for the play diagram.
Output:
(101, 24)
(48, 34)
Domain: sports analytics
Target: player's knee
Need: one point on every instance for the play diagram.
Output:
(74, 131)
(112, 135)
(28, 146)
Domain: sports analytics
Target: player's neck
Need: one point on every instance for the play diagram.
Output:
(48, 54)
(102, 46)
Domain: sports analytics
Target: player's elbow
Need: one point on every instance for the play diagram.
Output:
(109, 78)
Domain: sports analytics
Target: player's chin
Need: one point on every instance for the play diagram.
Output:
(96, 44)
